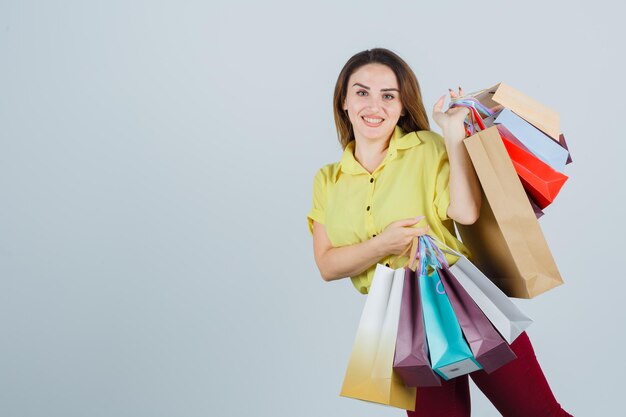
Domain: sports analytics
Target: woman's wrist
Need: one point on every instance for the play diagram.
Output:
(377, 246)
(453, 135)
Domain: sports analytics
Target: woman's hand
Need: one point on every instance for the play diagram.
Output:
(399, 234)
(451, 121)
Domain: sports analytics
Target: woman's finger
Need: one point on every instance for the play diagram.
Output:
(461, 93)
(452, 93)
(408, 222)
(439, 104)
(462, 110)
(421, 231)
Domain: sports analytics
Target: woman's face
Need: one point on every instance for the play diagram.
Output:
(373, 102)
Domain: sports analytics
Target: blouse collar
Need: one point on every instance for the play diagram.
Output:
(399, 141)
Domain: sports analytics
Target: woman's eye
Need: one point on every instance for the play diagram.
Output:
(388, 96)
(358, 93)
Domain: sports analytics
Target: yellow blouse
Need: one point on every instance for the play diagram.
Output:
(412, 180)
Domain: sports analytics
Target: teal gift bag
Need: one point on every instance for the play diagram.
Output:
(450, 355)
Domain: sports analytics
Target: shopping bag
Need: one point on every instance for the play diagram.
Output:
(506, 241)
(541, 145)
(504, 96)
(538, 212)
(564, 145)
(505, 316)
(411, 360)
(535, 113)
(369, 375)
(488, 347)
(538, 178)
(450, 355)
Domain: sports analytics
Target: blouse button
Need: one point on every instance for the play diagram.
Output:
(373, 235)
(387, 264)
(371, 179)
(368, 208)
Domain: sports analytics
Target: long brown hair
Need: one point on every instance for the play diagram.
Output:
(415, 117)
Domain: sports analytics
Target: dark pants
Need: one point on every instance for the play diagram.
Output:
(518, 389)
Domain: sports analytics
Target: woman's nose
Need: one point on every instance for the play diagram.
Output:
(374, 104)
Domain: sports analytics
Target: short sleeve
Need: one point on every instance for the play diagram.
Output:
(318, 207)
(442, 188)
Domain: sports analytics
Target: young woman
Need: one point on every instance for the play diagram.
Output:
(397, 180)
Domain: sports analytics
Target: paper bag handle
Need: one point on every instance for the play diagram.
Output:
(413, 246)
(447, 249)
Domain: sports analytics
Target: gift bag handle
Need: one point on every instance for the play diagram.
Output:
(414, 249)
(415, 246)
(438, 253)
(447, 249)
(475, 123)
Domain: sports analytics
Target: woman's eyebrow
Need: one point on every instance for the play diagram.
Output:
(382, 89)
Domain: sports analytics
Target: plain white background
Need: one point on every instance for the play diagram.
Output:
(156, 168)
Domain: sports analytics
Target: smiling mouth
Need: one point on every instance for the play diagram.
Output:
(372, 121)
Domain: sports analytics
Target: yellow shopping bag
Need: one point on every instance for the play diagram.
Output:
(370, 375)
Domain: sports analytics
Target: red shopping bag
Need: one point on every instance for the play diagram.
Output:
(539, 179)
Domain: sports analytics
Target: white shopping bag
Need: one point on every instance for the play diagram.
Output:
(389, 332)
(370, 375)
(505, 316)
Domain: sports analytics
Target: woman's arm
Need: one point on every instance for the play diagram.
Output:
(464, 187)
(345, 261)
(349, 261)
(465, 193)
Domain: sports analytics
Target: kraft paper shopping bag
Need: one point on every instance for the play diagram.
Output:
(506, 241)
(535, 113)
